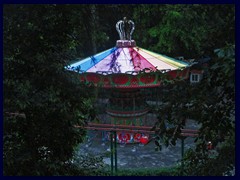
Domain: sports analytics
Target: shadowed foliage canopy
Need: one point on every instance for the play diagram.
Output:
(47, 101)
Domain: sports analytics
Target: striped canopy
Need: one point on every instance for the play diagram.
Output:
(126, 59)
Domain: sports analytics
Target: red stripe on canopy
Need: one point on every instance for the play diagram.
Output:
(139, 61)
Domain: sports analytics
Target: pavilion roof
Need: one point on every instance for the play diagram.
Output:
(125, 59)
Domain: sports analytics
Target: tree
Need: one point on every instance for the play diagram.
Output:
(189, 30)
(213, 107)
(46, 100)
(217, 117)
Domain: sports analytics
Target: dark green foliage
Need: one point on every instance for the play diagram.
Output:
(189, 30)
(39, 40)
(217, 112)
(36, 85)
(217, 162)
(213, 107)
(90, 165)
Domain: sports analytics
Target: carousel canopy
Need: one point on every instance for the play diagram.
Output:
(127, 59)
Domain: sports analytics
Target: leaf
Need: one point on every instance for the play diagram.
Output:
(157, 143)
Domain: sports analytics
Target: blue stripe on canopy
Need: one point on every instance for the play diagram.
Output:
(89, 62)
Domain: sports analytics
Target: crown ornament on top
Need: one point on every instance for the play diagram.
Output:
(125, 29)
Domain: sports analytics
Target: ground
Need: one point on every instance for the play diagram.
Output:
(135, 156)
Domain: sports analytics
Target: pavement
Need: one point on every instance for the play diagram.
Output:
(136, 155)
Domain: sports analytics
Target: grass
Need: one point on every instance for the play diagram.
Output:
(167, 171)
